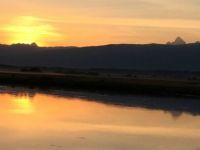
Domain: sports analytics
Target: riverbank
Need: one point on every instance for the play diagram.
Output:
(121, 85)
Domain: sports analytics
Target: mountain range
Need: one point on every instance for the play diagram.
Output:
(183, 57)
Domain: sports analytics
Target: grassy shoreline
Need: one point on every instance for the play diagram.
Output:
(111, 84)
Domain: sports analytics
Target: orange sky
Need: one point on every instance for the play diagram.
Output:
(97, 22)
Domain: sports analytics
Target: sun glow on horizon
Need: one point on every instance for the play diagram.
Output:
(28, 29)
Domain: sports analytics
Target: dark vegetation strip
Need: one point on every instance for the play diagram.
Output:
(104, 84)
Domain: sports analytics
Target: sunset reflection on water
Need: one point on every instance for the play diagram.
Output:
(23, 104)
(42, 122)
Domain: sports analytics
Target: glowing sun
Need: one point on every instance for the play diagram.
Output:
(28, 29)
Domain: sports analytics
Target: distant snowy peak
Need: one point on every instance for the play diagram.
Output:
(178, 41)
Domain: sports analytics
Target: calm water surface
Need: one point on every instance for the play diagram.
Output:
(57, 120)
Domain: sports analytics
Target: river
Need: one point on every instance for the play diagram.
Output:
(35, 119)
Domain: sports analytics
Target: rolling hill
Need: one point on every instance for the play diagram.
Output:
(124, 56)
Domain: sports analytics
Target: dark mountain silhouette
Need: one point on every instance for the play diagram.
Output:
(141, 57)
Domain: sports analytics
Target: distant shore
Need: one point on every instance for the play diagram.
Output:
(119, 85)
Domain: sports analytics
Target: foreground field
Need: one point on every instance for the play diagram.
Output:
(115, 84)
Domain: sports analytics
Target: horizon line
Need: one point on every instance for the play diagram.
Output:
(36, 45)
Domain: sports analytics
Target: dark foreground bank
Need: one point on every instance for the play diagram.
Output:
(104, 84)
